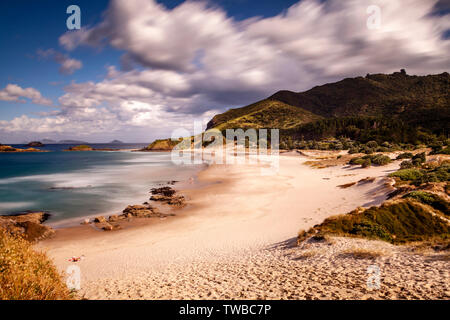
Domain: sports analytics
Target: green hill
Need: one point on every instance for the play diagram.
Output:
(267, 113)
(380, 107)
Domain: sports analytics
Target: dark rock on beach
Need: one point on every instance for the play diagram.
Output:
(165, 191)
(141, 211)
(27, 225)
(167, 195)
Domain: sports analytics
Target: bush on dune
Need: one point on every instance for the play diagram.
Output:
(400, 222)
(26, 274)
(430, 199)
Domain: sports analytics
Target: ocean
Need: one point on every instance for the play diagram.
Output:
(73, 185)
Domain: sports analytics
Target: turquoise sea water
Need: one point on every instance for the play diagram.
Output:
(71, 185)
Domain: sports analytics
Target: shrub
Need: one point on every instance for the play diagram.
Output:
(400, 222)
(445, 151)
(407, 164)
(405, 155)
(372, 144)
(356, 161)
(26, 274)
(407, 174)
(380, 160)
(419, 158)
(430, 199)
(366, 163)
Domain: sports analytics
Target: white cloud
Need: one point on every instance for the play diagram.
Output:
(67, 65)
(15, 93)
(195, 59)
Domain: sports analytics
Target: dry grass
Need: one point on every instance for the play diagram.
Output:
(360, 253)
(347, 185)
(26, 274)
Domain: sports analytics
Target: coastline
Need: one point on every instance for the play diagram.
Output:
(266, 215)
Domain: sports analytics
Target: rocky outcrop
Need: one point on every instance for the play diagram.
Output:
(133, 211)
(167, 195)
(141, 211)
(28, 225)
(165, 191)
(162, 145)
(4, 148)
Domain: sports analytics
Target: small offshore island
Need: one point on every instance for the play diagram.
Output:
(4, 148)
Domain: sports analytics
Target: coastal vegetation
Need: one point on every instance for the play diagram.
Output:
(162, 145)
(418, 209)
(367, 160)
(395, 222)
(376, 113)
(26, 274)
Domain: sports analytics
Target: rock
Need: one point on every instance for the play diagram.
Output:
(100, 219)
(86, 221)
(140, 211)
(160, 198)
(107, 227)
(165, 191)
(174, 201)
(113, 218)
(178, 201)
(27, 225)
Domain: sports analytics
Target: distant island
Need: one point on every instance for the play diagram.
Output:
(35, 144)
(116, 142)
(9, 149)
(85, 147)
(82, 147)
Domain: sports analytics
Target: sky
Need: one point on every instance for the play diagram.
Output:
(137, 70)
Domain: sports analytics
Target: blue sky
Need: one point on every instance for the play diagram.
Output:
(141, 70)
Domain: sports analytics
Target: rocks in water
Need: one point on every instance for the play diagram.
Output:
(178, 201)
(27, 225)
(161, 198)
(165, 191)
(167, 195)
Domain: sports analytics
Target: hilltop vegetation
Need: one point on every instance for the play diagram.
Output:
(395, 108)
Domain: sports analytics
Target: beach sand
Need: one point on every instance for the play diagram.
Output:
(236, 240)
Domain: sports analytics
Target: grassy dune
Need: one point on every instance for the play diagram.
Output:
(26, 274)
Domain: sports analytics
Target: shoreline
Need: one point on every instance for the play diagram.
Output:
(266, 214)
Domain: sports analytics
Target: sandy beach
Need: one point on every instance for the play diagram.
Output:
(236, 239)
